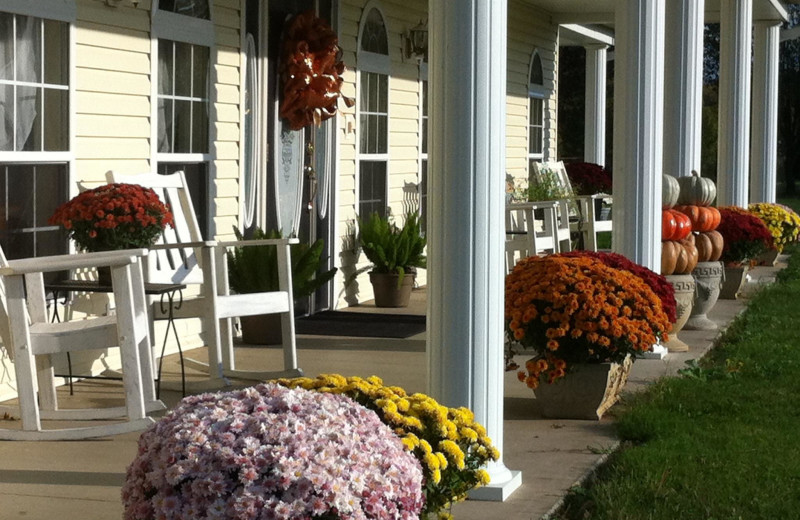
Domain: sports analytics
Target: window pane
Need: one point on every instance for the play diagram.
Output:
(194, 8)
(197, 180)
(56, 55)
(383, 134)
(24, 231)
(372, 188)
(383, 93)
(56, 120)
(183, 127)
(165, 119)
(364, 90)
(363, 129)
(425, 135)
(183, 69)
(29, 119)
(165, 67)
(537, 75)
(200, 79)
(374, 38)
(29, 49)
(6, 118)
(424, 100)
(200, 130)
(372, 144)
(6, 46)
(536, 140)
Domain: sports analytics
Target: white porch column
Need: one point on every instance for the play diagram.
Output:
(466, 220)
(683, 97)
(733, 155)
(764, 162)
(594, 147)
(638, 130)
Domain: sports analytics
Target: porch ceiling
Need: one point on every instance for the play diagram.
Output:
(602, 11)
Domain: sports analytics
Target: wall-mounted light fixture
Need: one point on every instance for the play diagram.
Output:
(415, 44)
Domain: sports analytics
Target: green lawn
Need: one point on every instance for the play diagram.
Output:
(792, 203)
(721, 441)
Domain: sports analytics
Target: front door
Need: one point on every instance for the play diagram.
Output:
(288, 175)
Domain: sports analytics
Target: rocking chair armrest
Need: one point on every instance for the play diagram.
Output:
(260, 242)
(184, 245)
(46, 264)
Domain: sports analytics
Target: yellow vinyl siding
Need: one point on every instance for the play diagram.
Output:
(528, 29)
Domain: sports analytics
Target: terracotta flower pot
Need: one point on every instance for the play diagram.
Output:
(587, 392)
(387, 291)
(684, 286)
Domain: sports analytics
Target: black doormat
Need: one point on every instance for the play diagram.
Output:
(361, 324)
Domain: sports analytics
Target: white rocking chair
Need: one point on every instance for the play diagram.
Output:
(182, 256)
(585, 220)
(527, 236)
(30, 340)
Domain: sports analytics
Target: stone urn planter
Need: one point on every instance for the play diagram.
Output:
(587, 392)
(684, 286)
(735, 277)
(769, 258)
(708, 279)
(389, 292)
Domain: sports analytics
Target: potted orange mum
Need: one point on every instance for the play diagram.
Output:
(586, 321)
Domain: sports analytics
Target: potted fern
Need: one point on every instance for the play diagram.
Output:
(255, 269)
(395, 254)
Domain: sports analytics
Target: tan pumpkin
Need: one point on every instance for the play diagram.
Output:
(689, 239)
(704, 247)
(696, 190)
(669, 256)
(717, 242)
(682, 261)
(670, 190)
(691, 253)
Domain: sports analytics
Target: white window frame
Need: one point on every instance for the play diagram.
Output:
(537, 91)
(176, 27)
(423, 155)
(59, 11)
(378, 64)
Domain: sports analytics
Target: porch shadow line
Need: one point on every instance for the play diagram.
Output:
(61, 478)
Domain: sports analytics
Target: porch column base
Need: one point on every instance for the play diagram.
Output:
(503, 482)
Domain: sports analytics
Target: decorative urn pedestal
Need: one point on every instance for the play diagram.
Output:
(587, 392)
(735, 277)
(684, 286)
(708, 278)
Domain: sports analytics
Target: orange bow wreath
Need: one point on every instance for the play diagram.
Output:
(311, 70)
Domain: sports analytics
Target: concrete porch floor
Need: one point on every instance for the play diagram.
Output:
(82, 479)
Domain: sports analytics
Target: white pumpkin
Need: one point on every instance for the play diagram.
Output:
(670, 189)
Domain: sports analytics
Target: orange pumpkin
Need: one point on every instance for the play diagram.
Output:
(684, 225)
(669, 256)
(668, 225)
(702, 218)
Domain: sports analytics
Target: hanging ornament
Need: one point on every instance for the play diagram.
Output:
(311, 71)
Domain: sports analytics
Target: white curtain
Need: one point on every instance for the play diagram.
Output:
(25, 58)
(164, 88)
